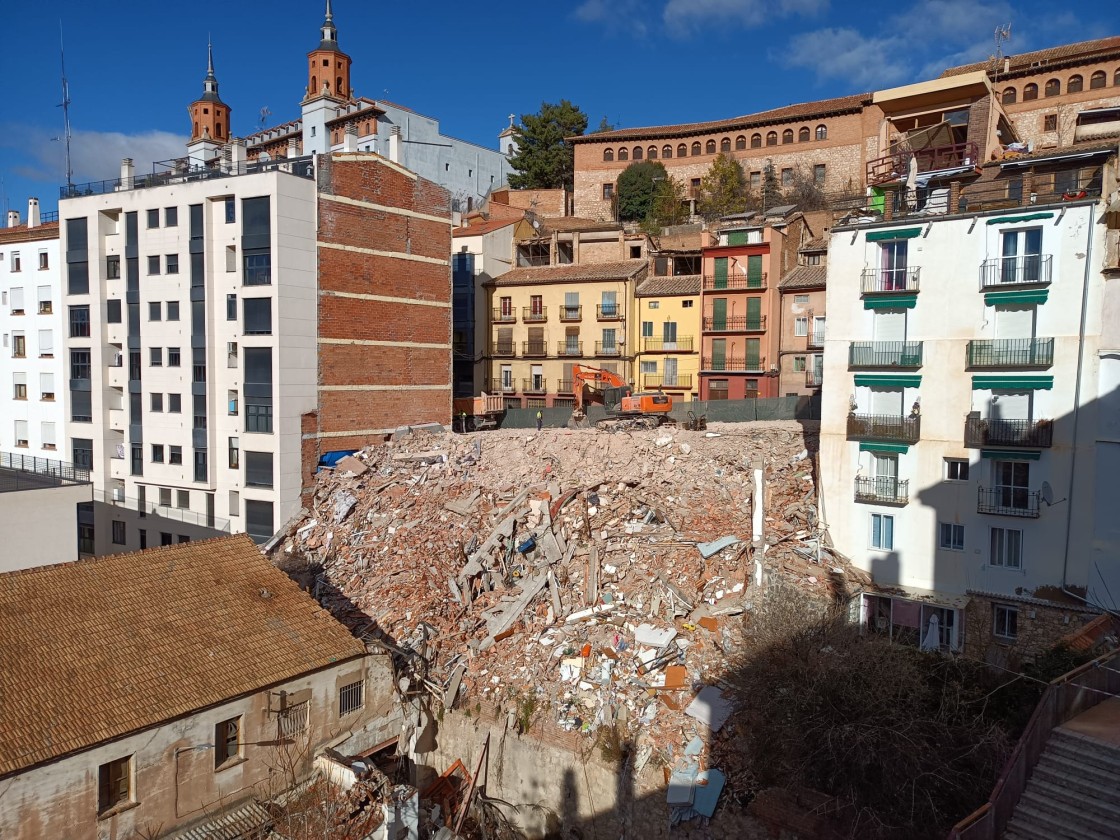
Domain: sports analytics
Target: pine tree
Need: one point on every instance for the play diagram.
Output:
(544, 159)
(723, 189)
(635, 189)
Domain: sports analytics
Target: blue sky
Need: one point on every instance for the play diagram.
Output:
(134, 66)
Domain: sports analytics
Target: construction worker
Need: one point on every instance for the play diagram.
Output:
(540, 419)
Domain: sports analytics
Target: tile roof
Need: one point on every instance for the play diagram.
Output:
(47, 230)
(817, 244)
(804, 277)
(803, 110)
(95, 649)
(527, 276)
(1090, 50)
(484, 227)
(684, 284)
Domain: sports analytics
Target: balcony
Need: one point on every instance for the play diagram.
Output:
(1030, 434)
(895, 166)
(534, 350)
(569, 348)
(118, 468)
(734, 282)
(814, 378)
(497, 386)
(814, 340)
(117, 420)
(117, 376)
(885, 427)
(889, 281)
(571, 313)
(534, 315)
(682, 344)
(882, 490)
(682, 381)
(885, 354)
(503, 350)
(608, 312)
(734, 364)
(501, 317)
(735, 323)
(1011, 353)
(1008, 501)
(1011, 272)
(603, 349)
(533, 385)
(564, 386)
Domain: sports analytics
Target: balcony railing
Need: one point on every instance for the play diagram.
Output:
(501, 317)
(1008, 501)
(569, 348)
(503, 350)
(27, 472)
(752, 364)
(534, 349)
(713, 282)
(882, 490)
(180, 171)
(571, 313)
(564, 386)
(497, 386)
(1025, 270)
(1011, 353)
(814, 378)
(657, 380)
(895, 165)
(885, 354)
(608, 312)
(889, 281)
(815, 339)
(886, 427)
(735, 323)
(533, 385)
(1032, 434)
(683, 344)
(532, 315)
(602, 349)
(148, 508)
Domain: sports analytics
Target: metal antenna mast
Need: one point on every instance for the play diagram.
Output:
(65, 105)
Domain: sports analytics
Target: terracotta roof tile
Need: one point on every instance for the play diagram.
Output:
(527, 276)
(804, 277)
(99, 648)
(484, 227)
(47, 230)
(684, 284)
(803, 110)
(1025, 61)
(817, 244)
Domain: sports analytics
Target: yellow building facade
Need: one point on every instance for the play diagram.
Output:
(668, 316)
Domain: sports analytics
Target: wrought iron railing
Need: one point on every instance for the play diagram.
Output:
(564, 386)
(532, 315)
(735, 323)
(608, 311)
(499, 386)
(571, 313)
(885, 354)
(888, 427)
(605, 349)
(882, 490)
(1008, 501)
(569, 348)
(714, 282)
(501, 317)
(533, 385)
(682, 344)
(503, 350)
(754, 364)
(147, 508)
(1034, 434)
(1025, 270)
(888, 281)
(658, 380)
(1011, 352)
(534, 349)
(814, 378)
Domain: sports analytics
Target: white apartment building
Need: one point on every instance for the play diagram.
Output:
(32, 324)
(962, 378)
(186, 390)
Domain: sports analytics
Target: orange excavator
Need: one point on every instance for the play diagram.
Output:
(647, 408)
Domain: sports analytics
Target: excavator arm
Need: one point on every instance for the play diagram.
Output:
(596, 378)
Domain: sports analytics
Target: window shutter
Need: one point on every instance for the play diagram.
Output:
(46, 342)
(754, 271)
(754, 313)
(17, 298)
(721, 273)
(719, 314)
(754, 345)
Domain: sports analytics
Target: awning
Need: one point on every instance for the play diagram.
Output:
(1015, 163)
(925, 177)
(887, 235)
(888, 380)
(897, 448)
(1030, 217)
(1010, 454)
(891, 302)
(1029, 296)
(1001, 382)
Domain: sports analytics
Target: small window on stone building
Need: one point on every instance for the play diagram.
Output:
(697, 149)
(1030, 92)
(1050, 122)
(725, 144)
(350, 698)
(1096, 81)
(608, 154)
(623, 154)
(710, 147)
(740, 143)
(227, 742)
(756, 141)
(819, 173)
(803, 134)
(114, 784)
(787, 136)
(682, 150)
(1075, 84)
(666, 151)
(771, 138)
(651, 153)
(1053, 88)
(787, 177)
(822, 132)
(1009, 96)
(637, 153)
(1005, 622)
(608, 192)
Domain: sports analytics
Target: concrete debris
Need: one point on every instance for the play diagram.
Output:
(583, 576)
(352, 465)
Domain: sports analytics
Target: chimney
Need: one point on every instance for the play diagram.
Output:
(127, 173)
(1007, 64)
(293, 147)
(33, 212)
(13, 218)
(350, 138)
(395, 144)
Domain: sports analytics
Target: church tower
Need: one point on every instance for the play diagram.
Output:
(328, 86)
(209, 118)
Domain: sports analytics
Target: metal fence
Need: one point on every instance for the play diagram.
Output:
(26, 472)
(157, 511)
(726, 411)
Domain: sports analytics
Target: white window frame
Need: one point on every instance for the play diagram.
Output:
(871, 532)
(999, 559)
(958, 461)
(955, 540)
(801, 326)
(1005, 611)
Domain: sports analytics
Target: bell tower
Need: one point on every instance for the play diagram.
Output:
(209, 117)
(328, 67)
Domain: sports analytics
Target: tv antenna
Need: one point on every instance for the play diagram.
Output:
(65, 106)
(265, 114)
(1002, 36)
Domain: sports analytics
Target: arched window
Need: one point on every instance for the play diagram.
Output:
(803, 134)
(1009, 96)
(339, 86)
(196, 128)
(696, 148)
(1097, 80)
(637, 153)
(787, 135)
(1031, 92)
(651, 153)
(1116, 78)
(740, 143)
(623, 154)
(710, 147)
(608, 154)
(1075, 84)
(756, 141)
(772, 138)
(1053, 88)
(217, 131)
(666, 151)
(682, 150)
(725, 144)
(314, 85)
(822, 132)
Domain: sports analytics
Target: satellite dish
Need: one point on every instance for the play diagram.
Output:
(1047, 494)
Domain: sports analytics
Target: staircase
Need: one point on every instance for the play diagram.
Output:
(1073, 792)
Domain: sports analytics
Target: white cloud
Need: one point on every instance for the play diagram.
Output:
(685, 16)
(615, 15)
(865, 62)
(94, 155)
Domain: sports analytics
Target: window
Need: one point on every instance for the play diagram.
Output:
(172, 263)
(799, 364)
(46, 305)
(157, 402)
(165, 497)
(803, 134)
(153, 265)
(1011, 486)
(234, 453)
(17, 300)
(951, 536)
(651, 153)
(231, 210)
(666, 151)
(647, 329)
(201, 471)
(1030, 92)
(231, 399)
(143, 534)
(153, 218)
(258, 520)
(608, 192)
(772, 138)
(1007, 548)
(173, 310)
(113, 311)
(685, 304)
(170, 216)
(157, 453)
(46, 430)
(956, 469)
(258, 270)
(114, 784)
(787, 177)
(819, 171)
(882, 531)
(648, 367)
(231, 307)
(234, 503)
(136, 464)
(258, 469)
(82, 452)
(682, 150)
(697, 149)
(79, 364)
(46, 344)
(175, 455)
(19, 346)
(710, 147)
(1053, 88)
(164, 538)
(79, 321)
(258, 316)
(113, 268)
(801, 325)
(1005, 621)
(20, 381)
(155, 311)
(1050, 122)
(608, 155)
(174, 403)
(350, 698)
(1009, 96)
(21, 434)
(1075, 84)
(155, 356)
(293, 720)
(46, 387)
(182, 538)
(800, 298)
(717, 389)
(756, 141)
(787, 136)
(822, 132)
(183, 499)
(16, 263)
(637, 154)
(740, 143)
(623, 154)
(725, 144)
(119, 533)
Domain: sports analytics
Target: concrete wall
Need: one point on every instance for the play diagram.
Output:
(40, 526)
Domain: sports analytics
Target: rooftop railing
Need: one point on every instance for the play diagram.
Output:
(182, 171)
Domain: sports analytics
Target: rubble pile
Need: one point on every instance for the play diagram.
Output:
(576, 578)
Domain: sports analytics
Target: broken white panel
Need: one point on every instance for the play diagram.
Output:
(710, 708)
